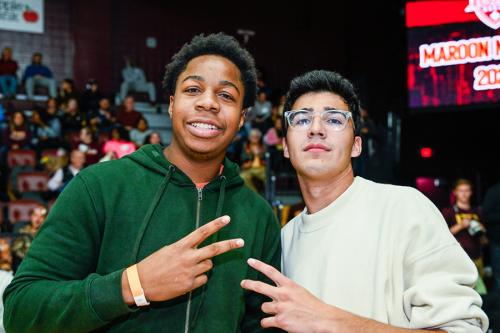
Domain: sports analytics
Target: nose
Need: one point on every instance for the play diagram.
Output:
(317, 127)
(207, 102)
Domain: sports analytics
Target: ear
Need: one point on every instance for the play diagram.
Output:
(170, 106)
(242, 118)
(285, 148)
(356, 146)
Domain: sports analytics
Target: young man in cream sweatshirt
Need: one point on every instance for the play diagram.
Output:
(362, 256)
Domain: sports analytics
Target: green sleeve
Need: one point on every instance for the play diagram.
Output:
(271, 254)
(56, 288)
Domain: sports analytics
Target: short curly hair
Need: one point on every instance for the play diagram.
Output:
(317, 81)
(214, 44)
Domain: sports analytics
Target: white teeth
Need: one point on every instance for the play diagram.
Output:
(203, 125)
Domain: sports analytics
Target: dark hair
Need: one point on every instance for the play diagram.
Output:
(214, 44)
(148, 137)
(322, 81)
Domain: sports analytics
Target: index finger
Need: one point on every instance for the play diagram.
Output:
(268, 271)
(199, 235)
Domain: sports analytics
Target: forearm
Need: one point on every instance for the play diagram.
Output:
(350, 323)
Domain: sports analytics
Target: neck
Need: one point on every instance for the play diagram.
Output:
(199, 171)
(463, 205)
(319, 193)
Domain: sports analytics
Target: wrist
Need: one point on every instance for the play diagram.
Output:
(126, 292)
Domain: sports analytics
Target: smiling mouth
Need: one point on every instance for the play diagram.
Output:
(204, 126)
(203, 130)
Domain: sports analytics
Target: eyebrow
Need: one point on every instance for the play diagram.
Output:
(223, 82)
(325, 108)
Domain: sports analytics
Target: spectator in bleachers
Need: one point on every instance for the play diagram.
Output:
(45, 130)
(5, 255)
(53, 108)
(89, 146)
(260, 113)
(252, 158)
(154, 139)
(465, 224)
(128, 117)
(27, 233)
(17, 134)
(119, 145)
(91, 97)
(72, 119)
(274, 143)
(137, 135)
(8, 73)
(38, 74)
(135, 80)
(103, 119)
(67, 91)
(63, 176)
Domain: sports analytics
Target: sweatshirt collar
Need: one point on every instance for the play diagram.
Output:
(327, 216)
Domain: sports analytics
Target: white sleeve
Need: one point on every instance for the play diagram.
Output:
(440, 292)
(56, 181)
(439, 276)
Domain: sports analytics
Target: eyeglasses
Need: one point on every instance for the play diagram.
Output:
(333, 119)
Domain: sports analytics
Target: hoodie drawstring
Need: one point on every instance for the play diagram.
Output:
(147, 218)
(214, 238)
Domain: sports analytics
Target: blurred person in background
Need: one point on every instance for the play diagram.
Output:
(72, 119)
(128, 117)
(88, 145)
(154, 139)
(464, 221)
(91, 97)
(134, 79)
(119, 145)
(26, 234)
(64, 175)
(17, 135)
(137, 135)
(67, 91)
(252, 158)
(103, 119)
(8, 73)
(38, 74)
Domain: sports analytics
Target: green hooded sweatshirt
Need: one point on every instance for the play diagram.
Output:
(115, 214)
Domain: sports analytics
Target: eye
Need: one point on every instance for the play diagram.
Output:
(227, 96)
(192, 90)
(302, 121)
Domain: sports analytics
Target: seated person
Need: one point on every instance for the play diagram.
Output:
(37, 73)
(103, 119)
(153, 139)
(67, 91)
(8, 73)
(72, 119)
(135, 80)
(22, 242)
(137, 135)
(17, 135)
(119, 145)
(64, 175)
(128, 117)
(252, 157)
(89, 146)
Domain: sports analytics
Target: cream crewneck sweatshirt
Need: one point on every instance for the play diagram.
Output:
(385, 252)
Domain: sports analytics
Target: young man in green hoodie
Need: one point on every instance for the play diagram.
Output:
(128, 247)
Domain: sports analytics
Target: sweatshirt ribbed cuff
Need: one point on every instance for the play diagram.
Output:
(106, 296)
